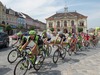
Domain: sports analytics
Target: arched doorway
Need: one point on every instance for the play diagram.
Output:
(65, 23)
(65, 31)
(58, 24)
(72, 23)
(73, 27)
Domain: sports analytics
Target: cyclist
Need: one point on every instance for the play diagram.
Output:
(68, 37)
(79, 40)
(46, 37)
(87, 39)
(66, 33)
(94, 38)
(73, 42)
(60, 36)
(21, 39)
(37, 42)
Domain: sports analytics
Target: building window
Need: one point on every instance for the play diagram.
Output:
(58, 24)
(50, 24)
(7, 18)
(65, 23)
(72, 23)
(2, 9)
(82, 23)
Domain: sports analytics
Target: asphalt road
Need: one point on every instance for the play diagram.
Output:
(49, 68)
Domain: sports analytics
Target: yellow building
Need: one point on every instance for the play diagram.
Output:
(2, 16)
(69, 21)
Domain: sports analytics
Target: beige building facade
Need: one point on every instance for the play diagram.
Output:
(69, 21)
(2, 16)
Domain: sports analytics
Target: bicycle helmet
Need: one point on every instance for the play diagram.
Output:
(32, 32)
(19, 33)
(44, 31)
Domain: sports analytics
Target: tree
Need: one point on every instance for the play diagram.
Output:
(80, 29)
(52, 29)
(20, 27)
(8, 28)
(32, 28)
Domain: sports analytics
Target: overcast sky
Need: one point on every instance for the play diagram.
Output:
(41, 9)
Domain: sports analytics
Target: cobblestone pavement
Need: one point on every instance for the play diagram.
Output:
(87, 66)
(86, 62)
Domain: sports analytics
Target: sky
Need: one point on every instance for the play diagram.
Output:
(42, 9)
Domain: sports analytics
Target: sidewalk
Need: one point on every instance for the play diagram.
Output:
(88, 66)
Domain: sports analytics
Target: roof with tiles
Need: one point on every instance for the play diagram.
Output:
(69, 14)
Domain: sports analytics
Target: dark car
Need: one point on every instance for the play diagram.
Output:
(4, 40)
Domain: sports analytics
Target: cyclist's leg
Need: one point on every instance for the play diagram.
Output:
(34, 50)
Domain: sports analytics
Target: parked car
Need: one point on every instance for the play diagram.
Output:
(4, 39)
(14, 37)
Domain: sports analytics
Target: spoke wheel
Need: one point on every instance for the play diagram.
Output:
(21, 67)
(69, 52)
(56, 56)
(12, 56)
(67, 48)
(63, 53)
(38, 63)
(50, 50)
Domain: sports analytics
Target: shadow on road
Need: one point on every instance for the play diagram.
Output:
(86, 50)
(48, 66)
(70, 60)
(4, 49)
(81, 54)
(3, 71)
(49, 72)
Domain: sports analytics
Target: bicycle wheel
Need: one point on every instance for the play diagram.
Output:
(69, 52)
(56, 56)
(21, 67)
(42, 52)
(49, 50)
(38, 63)
(77, 47)
(63, 53)
(67, 47)
(12, 56)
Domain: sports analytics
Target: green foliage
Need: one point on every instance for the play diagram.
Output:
(32, 28)
(80, 29)
(20, 27)
(52, 29)
(8, 28)
(99, 29)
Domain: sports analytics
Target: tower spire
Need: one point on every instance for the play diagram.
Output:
(66, 8)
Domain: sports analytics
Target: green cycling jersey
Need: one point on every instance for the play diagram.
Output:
(22, 39)
(37, 39)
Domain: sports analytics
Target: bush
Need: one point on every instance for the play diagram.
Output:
(52, 29)
(32, 28)
(8, 29)
(80, 29)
